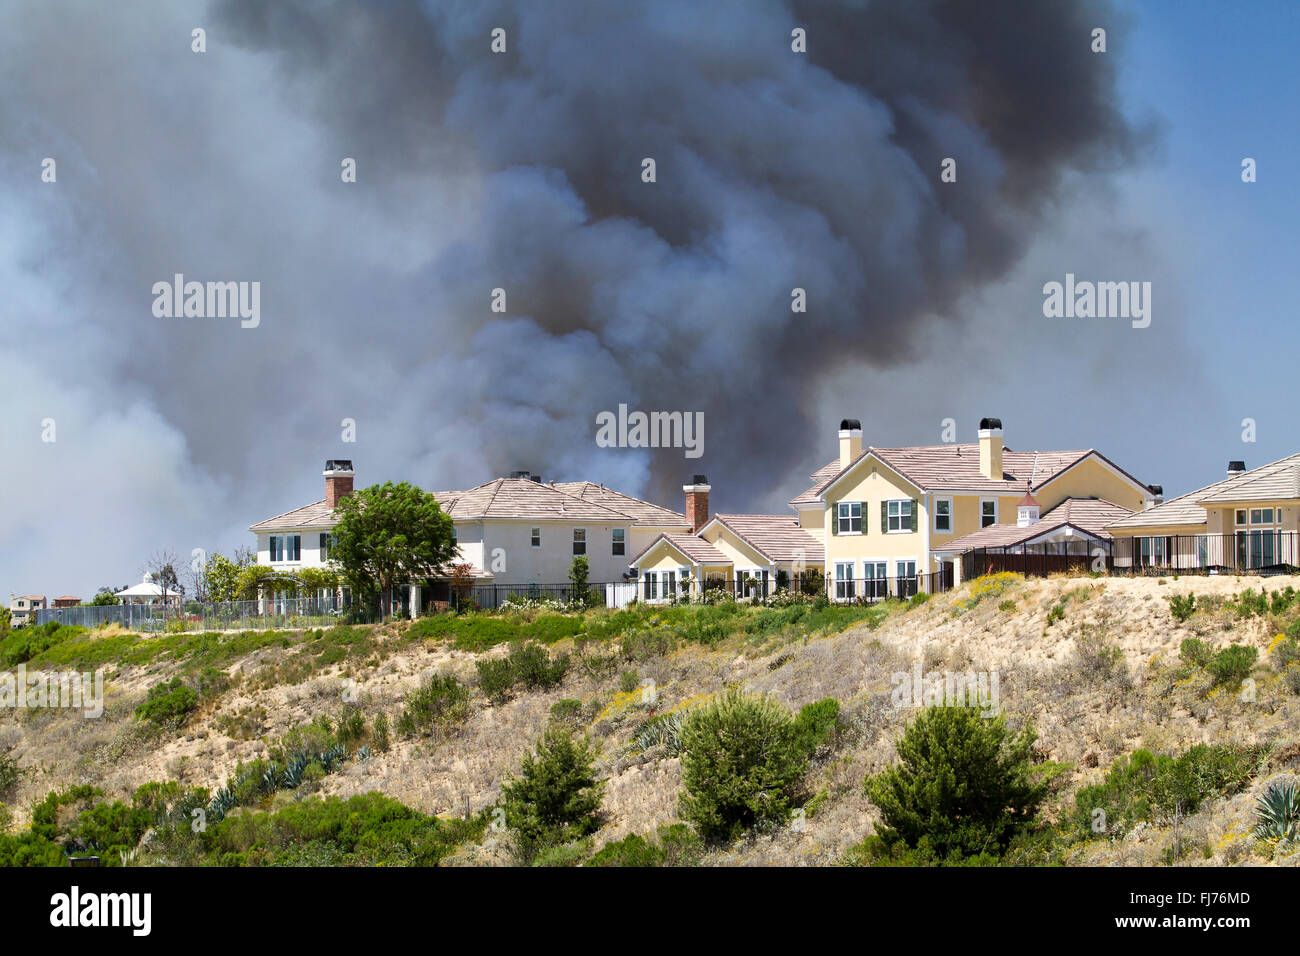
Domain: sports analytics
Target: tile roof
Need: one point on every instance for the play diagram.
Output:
(314, 515)
(955, 467)
(778, 537)
(643, 511)
(517, 498)
(1091, 515)
(1278, 479)
(695, 548)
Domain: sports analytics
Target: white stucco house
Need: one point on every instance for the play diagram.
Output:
(517, 533)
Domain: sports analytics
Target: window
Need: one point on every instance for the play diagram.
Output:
(876, 583)
(579, 540)
(286, 547)
(900, 516)
(988, 512)
(943, 515)
(651, 585)
(536, 537)
(844, 590)
(1203, 550)
(850, 517)
(326, 542)
(907, 580)
(620, 541)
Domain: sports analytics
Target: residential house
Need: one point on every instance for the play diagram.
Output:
(751, 554)
(517, 533)
(67, 600)
(1249, 520)
(893, 514)
(889, 521)
(23, 608)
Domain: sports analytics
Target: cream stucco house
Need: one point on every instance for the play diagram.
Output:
(1250, 520)
(890, 521)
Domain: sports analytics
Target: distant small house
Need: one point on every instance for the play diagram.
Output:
(22, 608)
(67, 600)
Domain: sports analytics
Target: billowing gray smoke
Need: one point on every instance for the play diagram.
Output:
(522, 171)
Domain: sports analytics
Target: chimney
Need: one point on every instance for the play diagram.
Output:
(991, 448)
(697, 502)
(338, 481)
(1236, 468)
(1157, 496)
(850, 441)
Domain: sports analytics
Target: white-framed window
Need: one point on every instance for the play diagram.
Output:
(988, 512)
(943, 515)
(535, 537)
(619, 545)
(651, 586)
(579, 540)
(875, 583)
(285, 547)
(899, 512)
(905, 572)
(850, 517)
(1203, 550)
(844, 583)
(327, 542)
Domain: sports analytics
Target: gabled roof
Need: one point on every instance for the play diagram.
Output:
(1276, 480)
(1089, 516)
(776, 537)
(513, 498)
(315, 515)
(696, 549)
(955, 467)
(644, 512)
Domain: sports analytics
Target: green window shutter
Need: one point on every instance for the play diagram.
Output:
(884, 517)
(835, 519)
(916, 510)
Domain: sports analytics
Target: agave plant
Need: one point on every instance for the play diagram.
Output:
(271, 779)
(363, 754)
(292, 777)
(662, 731)
(1277, 813)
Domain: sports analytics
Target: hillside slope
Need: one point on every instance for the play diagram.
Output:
(1092, 663)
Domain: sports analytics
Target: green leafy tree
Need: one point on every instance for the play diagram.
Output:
(556, 798)
(965, 783)
(743, 761)
(106, 597)
(579, 575)
(223, 578)
(389, 534)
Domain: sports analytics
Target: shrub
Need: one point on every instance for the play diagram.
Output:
(964, 783)
(352, 726)
(10, 773)
(380, 737)
(1196, 652)
(1055, 614)
(566, 710)
(169, 701)
(662, 730)
(1007, 605)
(440, 703)
(1277, 813)
(815, 723)
(556, 798)
(630, 851)
(1182, 607)
(742, 764)
(1232, 664)
(1146, 787)
(496, 677)
(533, 667)
(628, 681)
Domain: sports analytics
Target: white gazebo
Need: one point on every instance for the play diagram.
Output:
(146, 592)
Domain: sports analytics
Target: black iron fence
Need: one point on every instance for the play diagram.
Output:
(278, 612)
(880, 589)
(1245, 552)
